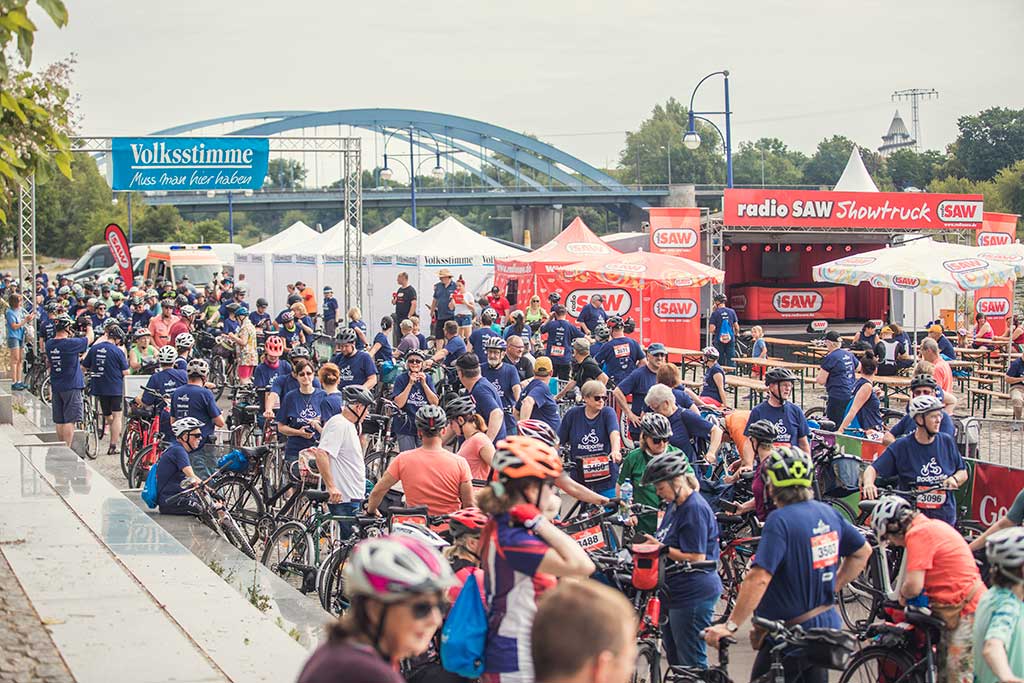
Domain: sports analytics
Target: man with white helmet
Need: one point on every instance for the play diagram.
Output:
(922, 460)
(183, 344)
(196, 401)
(939, 564)
(163, 382)
(186, 316)
(999, 619)
(478, 338)
(175, 466)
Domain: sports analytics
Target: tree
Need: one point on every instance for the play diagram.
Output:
(645, 159)
(157, 224)
(908, 168)
(828, 162)
(990, 141)
(1008, 191)
(285, 174)
(767, 162)
(66, 208)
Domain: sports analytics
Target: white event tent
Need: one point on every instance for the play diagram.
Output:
(256, 261)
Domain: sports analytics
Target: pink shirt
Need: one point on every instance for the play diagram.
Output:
(431, 478)
(471, 452)
(943, 374)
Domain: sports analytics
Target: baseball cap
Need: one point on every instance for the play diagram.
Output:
(542, 364)
(581, 344)
(833, 336)
(657, 347)
(935, 329)
(467, 361)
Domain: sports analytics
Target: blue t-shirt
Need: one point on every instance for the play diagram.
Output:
(560, 335)
(683, 399)
(720, 314)
(590, 444)
(526, 334)
(591, 316)
(330, 406)
(405, 425)
(263, 376)
(442, 296)
(916, 465)
(759, 349)
(141, 319)
(330, 307)
(195, 401)
(65, 366)
(231, 326)
(801, 546)
(691, 528)
(476, 340)
(486, 398)
(164, 381)
(504, 378)
(618, 357)
(170, 472)
(638, 383)
(385, 352)
(946, 347)
(423, 341)
(545, 409)
(292, 335)
(109, 363)
(686, 427)
(297, 411)
(710, 388)
(15, 316)
(906, 426)
(870, 414)
(354, 369)
(1016, 369)
(455, 347)
(789, 420)
(259, 319)
(841, 366)
(358, 325)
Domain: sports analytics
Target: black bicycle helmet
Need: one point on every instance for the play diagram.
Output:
(430, 419)
(115, 332)
(613, 322)
(764, 431)
(776, 375)
(602, 333)
(357, 393)
(64, 322)
(463, 406)
(345, 335)
(298, 352)
(261, 302)
(788, 466)
(665, 466)
(655, 425)
(294, 299)
(921, 381)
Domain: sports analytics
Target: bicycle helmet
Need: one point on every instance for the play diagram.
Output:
(720, 298)
(166, 355)
(890, 515)
(469, 521)
(137, 301)
(345, 335)
(536, 429)
(613, 322)
(420, 533)
(463, 406)
(294, 299)
(655, 425)
(764, 431)
(185, 340)
(91, 302)
(394, 567)
(198, 366)
(286, 317)
(776, 375)
(188, 311)
(64, 322)
(419, 353)
(518, 457)
(665, 466)
(185, 425)
(710, 352)
(261, 302)
(922, 405)
(488, 315)
(298, 352)
(430, 419)
(922, 381)
(555, 297)
(788, 466)
(64, 291)
(274, 346)
(140, 332)
(385, 323)
(169, 296)
(1004, 550)
(242, 311)
(357, 393)
(115, 332)
(602, 333)
(50, 306)
(494, 342)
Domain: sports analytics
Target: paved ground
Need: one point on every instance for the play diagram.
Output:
(27, 653)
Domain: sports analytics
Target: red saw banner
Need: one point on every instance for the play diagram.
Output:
(817, 209)
(995, 487)
(122, 253)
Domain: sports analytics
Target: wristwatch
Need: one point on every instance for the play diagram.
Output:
(731, 626)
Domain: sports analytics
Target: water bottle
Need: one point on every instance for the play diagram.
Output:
(625, 498)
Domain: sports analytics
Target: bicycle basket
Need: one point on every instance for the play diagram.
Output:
(373, 424)
(142, 412)
(827, 647)
(241, 416)
(840, 476)
(588, 533)
(646, 566)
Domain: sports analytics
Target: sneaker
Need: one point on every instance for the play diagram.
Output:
(19, 386)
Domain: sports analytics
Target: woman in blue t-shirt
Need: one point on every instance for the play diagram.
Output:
(864, 412)
(591, 431)
(536, 401)
(713, 390)
(299, 416)
(381, 348)
(690, 531)
(17, 318)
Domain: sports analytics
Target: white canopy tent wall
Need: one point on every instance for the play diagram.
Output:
(256, 261)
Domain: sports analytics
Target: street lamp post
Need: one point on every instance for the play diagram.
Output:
(692, 139)
(438, 171)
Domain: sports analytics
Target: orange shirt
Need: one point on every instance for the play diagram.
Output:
(735, 425)
(937, 549)
(943, 374)
(309, 300)
(160, 329)
(431, 478)
(470, 451)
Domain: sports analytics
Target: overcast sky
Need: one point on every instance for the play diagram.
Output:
(577, 74)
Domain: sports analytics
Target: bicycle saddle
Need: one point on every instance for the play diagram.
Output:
(256, 452)
(317, 496)
(827, 425)
(922, 616)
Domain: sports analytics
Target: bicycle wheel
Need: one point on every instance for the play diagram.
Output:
(243, 502)
(861, 599)
(140, 467)
(218, 375)
(46, 392)
(815, 413)
(131, 443)
(236, 537)
(287, 554)
(92, 440)
(648, 664)
(880, 665)
(332, 581)
(843, 508)
(376, 464)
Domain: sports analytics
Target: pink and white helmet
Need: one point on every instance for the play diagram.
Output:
(394, 567)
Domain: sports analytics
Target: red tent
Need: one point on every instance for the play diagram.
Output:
(517, 275)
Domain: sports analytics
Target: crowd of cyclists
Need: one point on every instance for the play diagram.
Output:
(551, 464)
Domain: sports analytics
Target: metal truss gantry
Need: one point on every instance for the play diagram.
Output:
(27, 234)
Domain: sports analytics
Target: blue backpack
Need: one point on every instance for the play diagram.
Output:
(464, 635)
(149, 490)
(725, 331)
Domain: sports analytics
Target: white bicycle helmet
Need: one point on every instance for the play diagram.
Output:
(395, 567)
(1005, 551)
(889, 515)
(922, 405)
(419, 532)
(188, 311)
(185, 425)
(710, 352)
(185, 340)
(198, 366)
(167, 355)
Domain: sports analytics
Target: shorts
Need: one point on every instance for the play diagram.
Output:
(464, 320)
(1017, 398)
(110, 404)
(15, 342)
(439, 328)
(67, 407)
(245, 371)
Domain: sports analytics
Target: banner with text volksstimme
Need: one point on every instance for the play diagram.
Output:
(161, 164)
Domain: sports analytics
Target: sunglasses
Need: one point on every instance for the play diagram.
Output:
(602, 397)
(307, 373)
(657, 439)
(413, 361)
(195, 435)
(422, 610)
(660, 356)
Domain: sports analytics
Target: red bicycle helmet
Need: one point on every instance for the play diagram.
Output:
(274, 346)
(466, 521)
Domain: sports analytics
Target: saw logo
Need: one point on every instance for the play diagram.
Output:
(616, 301)
(675, 309)
(675, 238)
(993, 239)
(797, 302)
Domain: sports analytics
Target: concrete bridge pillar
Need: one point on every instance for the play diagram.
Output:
(543, 222)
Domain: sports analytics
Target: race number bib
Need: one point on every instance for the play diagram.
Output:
(596, 468)
(590, 539)
(557, 351)
(932, 500)
(622, 350)
(825, 550)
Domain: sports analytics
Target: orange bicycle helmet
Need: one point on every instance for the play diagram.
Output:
(274, 346)
(518, 457)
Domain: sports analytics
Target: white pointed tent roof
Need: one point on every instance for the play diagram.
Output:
(284, 241)
(395, 232)
(855, 177)
(328, 242)
(451, 238)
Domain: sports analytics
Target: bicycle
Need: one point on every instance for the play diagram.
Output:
(820, 647)
(93, 422)
(899, 651)
(142, 428)
(737, 548)
(213, 513)
(296, 550)
(381, 445)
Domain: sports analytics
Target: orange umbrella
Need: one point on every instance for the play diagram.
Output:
(642, 267)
